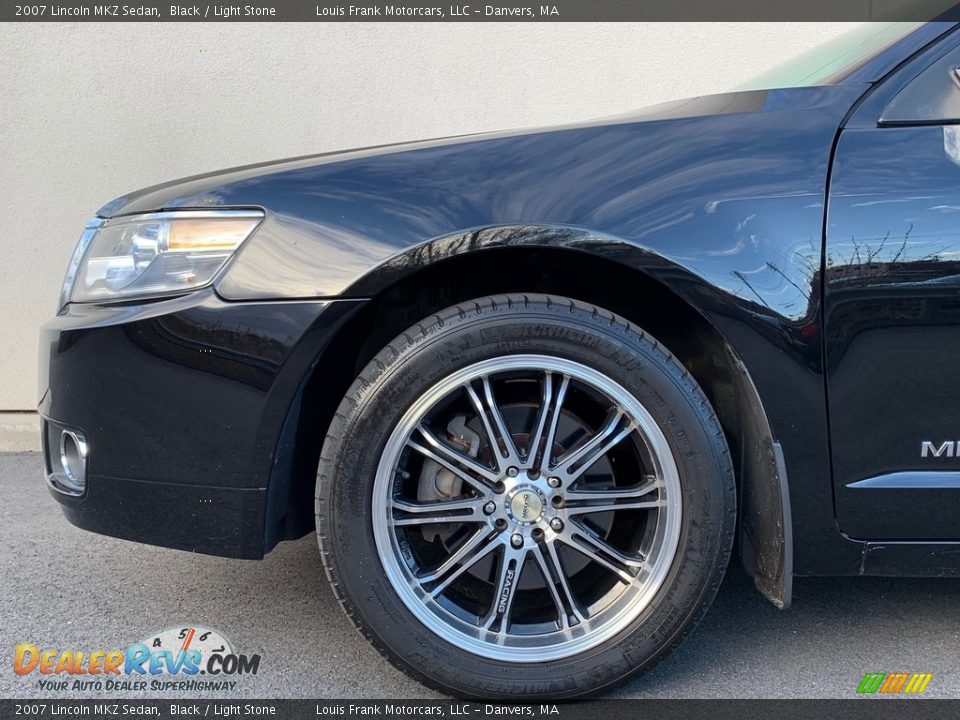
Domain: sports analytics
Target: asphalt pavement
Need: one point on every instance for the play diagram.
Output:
(61, 587)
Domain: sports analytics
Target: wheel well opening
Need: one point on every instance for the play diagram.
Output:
(630, 293)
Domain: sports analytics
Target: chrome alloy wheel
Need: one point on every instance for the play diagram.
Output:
(527, 508)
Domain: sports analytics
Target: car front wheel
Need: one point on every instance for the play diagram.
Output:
(524, 495)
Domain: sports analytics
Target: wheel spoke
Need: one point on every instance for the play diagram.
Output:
(595, 448)
(493, 422)
(551, 404)
(442, 511)
(550, 409)
(536, 434)
(475, 548)
(464, 467)
(609, 507)
(508, 580)
(604, 554)
(549, 560)
(636, 498)
(651, 483)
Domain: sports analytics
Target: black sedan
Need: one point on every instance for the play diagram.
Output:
(533, 389)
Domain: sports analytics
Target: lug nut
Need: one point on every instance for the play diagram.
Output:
(516, 540)
(553, 482)
(489, 508)
(556, 524)
(512, 471)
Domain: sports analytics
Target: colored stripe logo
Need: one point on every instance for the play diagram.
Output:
(894, 683)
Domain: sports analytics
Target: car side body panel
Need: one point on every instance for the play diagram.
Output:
(893, 320)
(893, 289)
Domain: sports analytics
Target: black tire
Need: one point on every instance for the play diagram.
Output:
(502, 325)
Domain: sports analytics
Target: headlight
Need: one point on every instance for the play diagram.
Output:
(154, 254)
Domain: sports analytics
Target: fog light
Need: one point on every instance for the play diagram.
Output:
(73, 457)
(66, 459)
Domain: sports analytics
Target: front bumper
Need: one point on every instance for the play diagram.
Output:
(182, 403)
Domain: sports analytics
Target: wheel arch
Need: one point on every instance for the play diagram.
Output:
(562, 261)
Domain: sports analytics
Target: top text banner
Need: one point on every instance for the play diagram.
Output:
(473, 11)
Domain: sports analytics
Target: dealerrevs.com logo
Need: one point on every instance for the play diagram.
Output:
(185, 659)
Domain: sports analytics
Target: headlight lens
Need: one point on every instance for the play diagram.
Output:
(154, 254)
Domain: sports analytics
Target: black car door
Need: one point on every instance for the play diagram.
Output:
(892, 308)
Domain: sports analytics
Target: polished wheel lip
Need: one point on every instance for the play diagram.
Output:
(579, 638)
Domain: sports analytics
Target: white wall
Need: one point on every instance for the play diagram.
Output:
(90, 111)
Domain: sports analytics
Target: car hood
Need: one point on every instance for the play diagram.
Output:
(214, 189)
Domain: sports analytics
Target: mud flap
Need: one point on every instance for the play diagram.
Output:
(766, 531)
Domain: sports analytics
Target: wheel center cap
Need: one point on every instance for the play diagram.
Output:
(525, 504)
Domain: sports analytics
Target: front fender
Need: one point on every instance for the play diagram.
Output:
(765, 516)
(726, 210)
